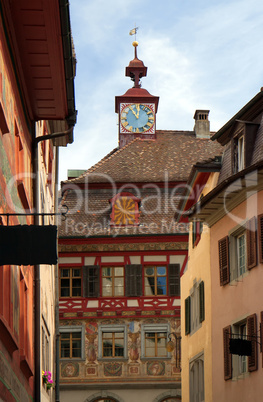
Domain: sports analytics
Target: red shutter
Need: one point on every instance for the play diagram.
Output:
(223, 260)
(252, 336)
(251, 243)
(227, 354)
(260, 237)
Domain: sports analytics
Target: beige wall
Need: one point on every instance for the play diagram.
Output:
(231, 303)
(200, 341)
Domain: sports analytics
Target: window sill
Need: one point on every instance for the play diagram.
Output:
(7, 336)
(25, 366)
(143, 359)
(113, 359)
(70, 359)
(238, 278)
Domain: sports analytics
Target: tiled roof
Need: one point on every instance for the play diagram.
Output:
(142, 161)
(90, 216)
(147, 160)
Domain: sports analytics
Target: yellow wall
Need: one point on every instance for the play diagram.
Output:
(199, 341)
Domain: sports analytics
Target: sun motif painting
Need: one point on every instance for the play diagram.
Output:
(125, 210)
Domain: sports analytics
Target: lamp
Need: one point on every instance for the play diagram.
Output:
(175, 345)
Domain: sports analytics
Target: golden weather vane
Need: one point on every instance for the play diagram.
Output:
(134, 31)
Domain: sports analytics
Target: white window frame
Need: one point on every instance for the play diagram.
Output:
(234, 235)
(239, 363)
(241, 153)
(71, 328)
(154, 328)
(112, 328)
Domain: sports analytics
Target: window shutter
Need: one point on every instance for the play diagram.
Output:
(187, 303)
(223, 260)
(133, 280)
(201, 301)
(227, 355)
(251, 235)
(252, 336)
(261, 334)
(91, 281)
(174, 279)
(260, 237)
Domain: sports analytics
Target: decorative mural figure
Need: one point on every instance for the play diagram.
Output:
(133, 352)
(91, 352)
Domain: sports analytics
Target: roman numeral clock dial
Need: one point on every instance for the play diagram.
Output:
(137, 118)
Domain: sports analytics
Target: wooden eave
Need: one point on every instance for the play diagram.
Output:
(228, 194)
(248, 113)
(40, 44)
(198, 177)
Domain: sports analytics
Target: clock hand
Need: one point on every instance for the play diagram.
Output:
(133, 112)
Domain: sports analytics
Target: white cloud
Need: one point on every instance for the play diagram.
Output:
(204, 54)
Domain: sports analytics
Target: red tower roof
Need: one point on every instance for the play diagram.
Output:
(136, 69)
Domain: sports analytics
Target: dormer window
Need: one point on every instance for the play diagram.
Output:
(243, 145)
(239, 153)
(125, 210)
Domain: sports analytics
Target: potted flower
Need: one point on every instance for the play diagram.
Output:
(47, 379)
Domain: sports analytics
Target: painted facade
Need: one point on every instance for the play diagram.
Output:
(27, 186)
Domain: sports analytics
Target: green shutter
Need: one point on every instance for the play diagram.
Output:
(187, 304)
(91, 281)
(174, 279)
(201, 302)
(133, 280)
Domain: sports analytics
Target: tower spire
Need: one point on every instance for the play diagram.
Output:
(136, 69)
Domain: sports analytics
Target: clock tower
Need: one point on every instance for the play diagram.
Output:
(137, 108)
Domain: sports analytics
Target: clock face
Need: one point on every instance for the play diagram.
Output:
(137, 118)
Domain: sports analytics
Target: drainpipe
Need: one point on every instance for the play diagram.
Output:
(37, 280)
(56, 290)
(37, 271)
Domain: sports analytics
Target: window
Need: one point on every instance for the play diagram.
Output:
(238, 252)
(45, 347)
(128, 281)
(113, 342)
(70, 282)
(197, 228)
(241, 253)
(195, 308)
(236, 362)
(196, 375)
(155, 280)
(72, 342)
(154, 339)
(113, 281)
(240, 153)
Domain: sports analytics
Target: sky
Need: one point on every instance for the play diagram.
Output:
(205, 54)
